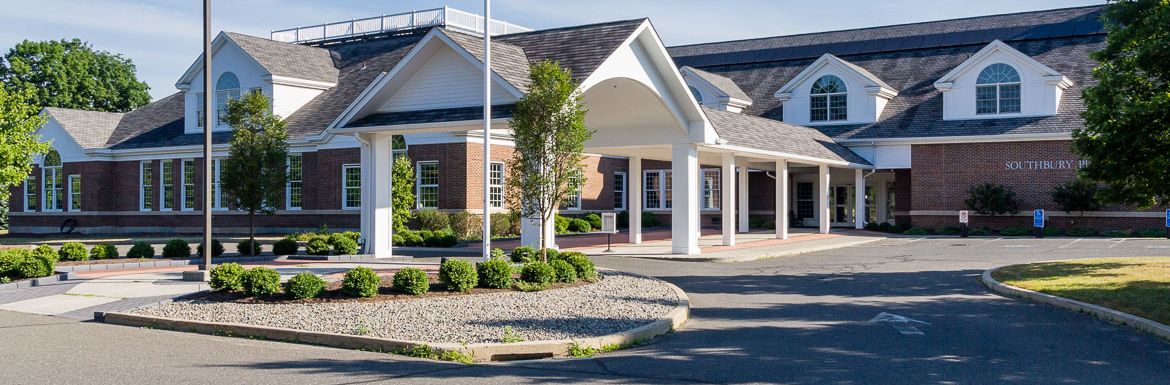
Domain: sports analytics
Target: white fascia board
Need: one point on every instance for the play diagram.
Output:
(740, 150)
(295, 82)
(479, 64)
(947, 81)
(364, 96)
(417, 127)
(687, 73)
(216, 45)
(961, 139)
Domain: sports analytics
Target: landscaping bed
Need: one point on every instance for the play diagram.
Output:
(1138, 286)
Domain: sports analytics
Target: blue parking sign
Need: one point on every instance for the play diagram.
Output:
(1167, 217)
(1038, 218)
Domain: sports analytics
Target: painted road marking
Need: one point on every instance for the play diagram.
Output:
(1018, 246)
(1115, 243)
(1069, 244)
(901, 324)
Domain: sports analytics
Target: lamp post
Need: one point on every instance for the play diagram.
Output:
(203, 274)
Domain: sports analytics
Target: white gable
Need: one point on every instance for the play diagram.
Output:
(1040, 86)
(54, 133)
(865, 99)
(225, 57)
(446, 80)
(711, 95)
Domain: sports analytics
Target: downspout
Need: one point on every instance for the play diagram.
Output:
(368, 216)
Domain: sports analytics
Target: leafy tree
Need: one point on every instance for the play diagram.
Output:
(71, 74)
(19, 121)
(1078, 195)
(992, 199)
(254, 174)
(402, 186)
(548, 128)
(1126, 136)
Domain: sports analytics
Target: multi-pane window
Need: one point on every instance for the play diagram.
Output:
(572, 201)
(228, 87)
(30, 194)
(711, 190)
(168, 185)
(352, 188)
(997, 90)
(658, 189)
(216, 193)
(200, 114)
(804, 200)
(293, 189)
(667, 186)
(828, 100)
(619, 191)
(54, 181)
(496, 185)
(428, 185)
(75, 193)
(145, 186)
(398, 146)
(871, 204)
(188, 184)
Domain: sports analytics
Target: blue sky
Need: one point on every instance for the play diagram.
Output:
(163, 37)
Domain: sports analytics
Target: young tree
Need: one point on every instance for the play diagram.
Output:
(1078, 195)
(71, 74)
(19, 121)
(402, 190)
(548, 128)
(254, 174)
(992, 199)
(1126, 136)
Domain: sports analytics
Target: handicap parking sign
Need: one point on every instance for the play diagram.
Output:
(1038, 218)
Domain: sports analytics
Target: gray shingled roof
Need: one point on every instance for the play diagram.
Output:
(90, 129)
(580, 48)
(723, 83)
(771, 135)
(864, 72)
(289, 60)
(508, 61)
(432, 116)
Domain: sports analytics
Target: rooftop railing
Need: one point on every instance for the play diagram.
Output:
(446, 17)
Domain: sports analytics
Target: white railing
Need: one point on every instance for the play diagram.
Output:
(446, 16)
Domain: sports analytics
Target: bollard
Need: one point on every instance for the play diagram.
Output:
(963, 230)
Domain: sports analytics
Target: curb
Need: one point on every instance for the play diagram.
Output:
(1103, 313)
(358, 257)
(759, 255)
(478, 352)
(162, 263)
(8, 287)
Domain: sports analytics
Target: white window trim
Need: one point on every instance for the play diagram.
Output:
(998, 99)
(183, 184)
(662, 189)
(501, 185)
(162, 190)
(418, 186)
(288, 184)
(26, 195)
(345, 189)
(217, 187)
(69, 202)
(45, 203)
(142, 165)
(702, 191)
(624, 190)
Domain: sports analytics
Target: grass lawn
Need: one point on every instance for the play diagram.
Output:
(1138, 286)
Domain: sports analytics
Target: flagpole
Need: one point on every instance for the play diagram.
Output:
(207, 171)
(487, 129)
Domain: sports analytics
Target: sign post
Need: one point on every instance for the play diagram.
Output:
(1167, 223)
(964, 217)
(1038, 222)
(609, 227)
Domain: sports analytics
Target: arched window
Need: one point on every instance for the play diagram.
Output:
(398, 146)
(997, 90)
(828, 100)
(228, 87)
(698, 95)
(54, 181)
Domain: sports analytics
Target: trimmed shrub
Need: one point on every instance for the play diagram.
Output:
(103, 251)
(947, 230)
(360, 282)
(352, 235)
(45, 251)
(579, 225)
(345, 246)
(594, 220)
(495, 273)
(177, 248)
(902, 226)
(304, 285)
(583, 265)
(398, 240)
(414, 239)
(564, 271)
(248, 247)
(1151, 233)
(425, 234)
(564, 255)
(457, 275)
(411, 281)
(886, 227)
(439, 239)
(1014, 232)
(538, 272)
(216, 248)
(72, 251)
(11, 258)
(141, 250)
(649, 220)
(464, 224)
(260, 281)
(227, 277)
(1081, 232)
(561, 224)
(519, 252)
(317, 246)
(872, 226)
(549, 255)
(1053, 232)
(1117, 233)
(918, 231)
(978, 232)
(285, 247)
(497, 253)
(36, 266)
(501, 225)
(433, 220)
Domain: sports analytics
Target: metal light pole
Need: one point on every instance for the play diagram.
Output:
(487, 129)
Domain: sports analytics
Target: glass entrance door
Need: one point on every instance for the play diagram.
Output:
(841, 207)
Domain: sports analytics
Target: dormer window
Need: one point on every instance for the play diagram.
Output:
(228, 87)
(828, 100)
(997, 90)
(698, 95)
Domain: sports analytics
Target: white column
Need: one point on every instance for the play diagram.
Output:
(782, 199)
(376, 176)
(684, 214)
(727, 198)
(742, 189)
(634, 198)
(823, 202)
(859, 200)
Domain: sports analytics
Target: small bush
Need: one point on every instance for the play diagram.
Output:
(1053, 232)
(947, 230)
(465, 224)
(103, 251)
(260, 281)
(177, 248)
(352, 235)
(285, 247)
(583, 265)
(227, 277)
(398, 240)
(141, 250)
(518, 255)
(433, 220)
(45, 251)
(918, 231)
(495, 273)
(564, 255)
(439, 239)
(538, 272)
(425, 234)
(623, 219)
(902, 226)
(561, 224)
(1152, 233)
(304, 285)
(216, 248)
(594, 220)
(411, 281)
(360, 282)
(579, 225)
(564, 271)
(317, 246)
(1081, 232)
(248, 247)
(501, 225)
(531, 286)
(1014, 232)
(345, 246)
(1117, 233)
(886, 227)
(872, 226)
(414, 239)
(458, 275)
(978, 232)
(549, 254)
(649, 220)
(72, 251)
(36, 266)
(10, 259)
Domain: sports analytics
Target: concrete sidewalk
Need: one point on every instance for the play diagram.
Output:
(749, 246)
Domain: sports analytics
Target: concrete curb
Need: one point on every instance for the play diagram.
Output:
(1104, 313)
(358, 257)
(747, 255)
(483, 352)
(8, 287)
(162, 263)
